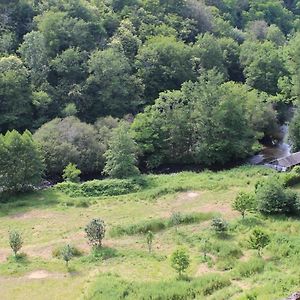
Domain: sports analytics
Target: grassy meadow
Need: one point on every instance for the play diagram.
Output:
(124, 269)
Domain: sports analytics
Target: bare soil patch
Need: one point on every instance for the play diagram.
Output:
(41, 274)
(38, 214)
(204, 269)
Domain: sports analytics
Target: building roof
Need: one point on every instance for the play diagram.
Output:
(289, 161)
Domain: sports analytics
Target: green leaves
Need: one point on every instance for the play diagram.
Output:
(121, 154)
(95, 232)
(180, 261)
(21, 165)
(15, 241)
(259, 240)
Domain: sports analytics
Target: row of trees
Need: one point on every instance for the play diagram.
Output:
(23, 160)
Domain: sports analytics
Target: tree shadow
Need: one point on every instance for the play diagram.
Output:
(26, 201)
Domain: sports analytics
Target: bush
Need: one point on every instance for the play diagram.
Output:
(95, 232)
(98, 188)
(259, 240)
(273, 198)
(290, 179)
(69, 140)
(15, 241)
(139, 228)
(219, 225)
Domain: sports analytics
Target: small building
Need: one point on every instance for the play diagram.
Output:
(286, 163)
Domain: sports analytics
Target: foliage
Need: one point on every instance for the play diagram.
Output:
(105, 187)
(21, 164)
(273, 198)
(243, 202)
(15, 95)
(175, 219)
(66, 254)
(180, 261)
(294, 131)
(15, 241)
(68, 140)
(71, 173)
(171, 131)
(95, 232)
(121, 154)
(111, 286)
(259, 240)
(219, 225)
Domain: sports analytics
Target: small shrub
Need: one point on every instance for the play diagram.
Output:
(71, 173)
(150, 237)
(15, 241)
(259, 240)
(95, 232)
(219, 225)
(66, 254)
(180, 261)
(139, 228)
(243, 202)
(82, 203)
(57, 252)
(290, 179)
(224, 249)
(175, 219)
(100, 254)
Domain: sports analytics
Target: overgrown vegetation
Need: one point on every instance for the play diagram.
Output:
(219, 265)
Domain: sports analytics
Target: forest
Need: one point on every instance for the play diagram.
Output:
(195, 82)
(126, 129)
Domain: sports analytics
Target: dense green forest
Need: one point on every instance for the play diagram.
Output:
(193, 82)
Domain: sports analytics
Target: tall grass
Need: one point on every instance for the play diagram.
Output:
(109, 287)
(156, 225)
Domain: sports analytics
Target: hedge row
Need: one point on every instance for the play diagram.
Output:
(106, 187)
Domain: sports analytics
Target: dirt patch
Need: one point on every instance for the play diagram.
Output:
(223, 208)
(34, 214)
(242, 285)
(4, 253)
(204, 269)
(41, 274)
(185, 197)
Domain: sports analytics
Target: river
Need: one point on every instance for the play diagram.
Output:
(269, 153)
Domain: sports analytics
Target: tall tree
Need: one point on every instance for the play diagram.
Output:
(15, 95)
(21, 165)
(121, 154)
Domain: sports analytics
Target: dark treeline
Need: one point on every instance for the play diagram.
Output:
(199, 82)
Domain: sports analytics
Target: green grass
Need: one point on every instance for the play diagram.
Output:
(124, 269)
